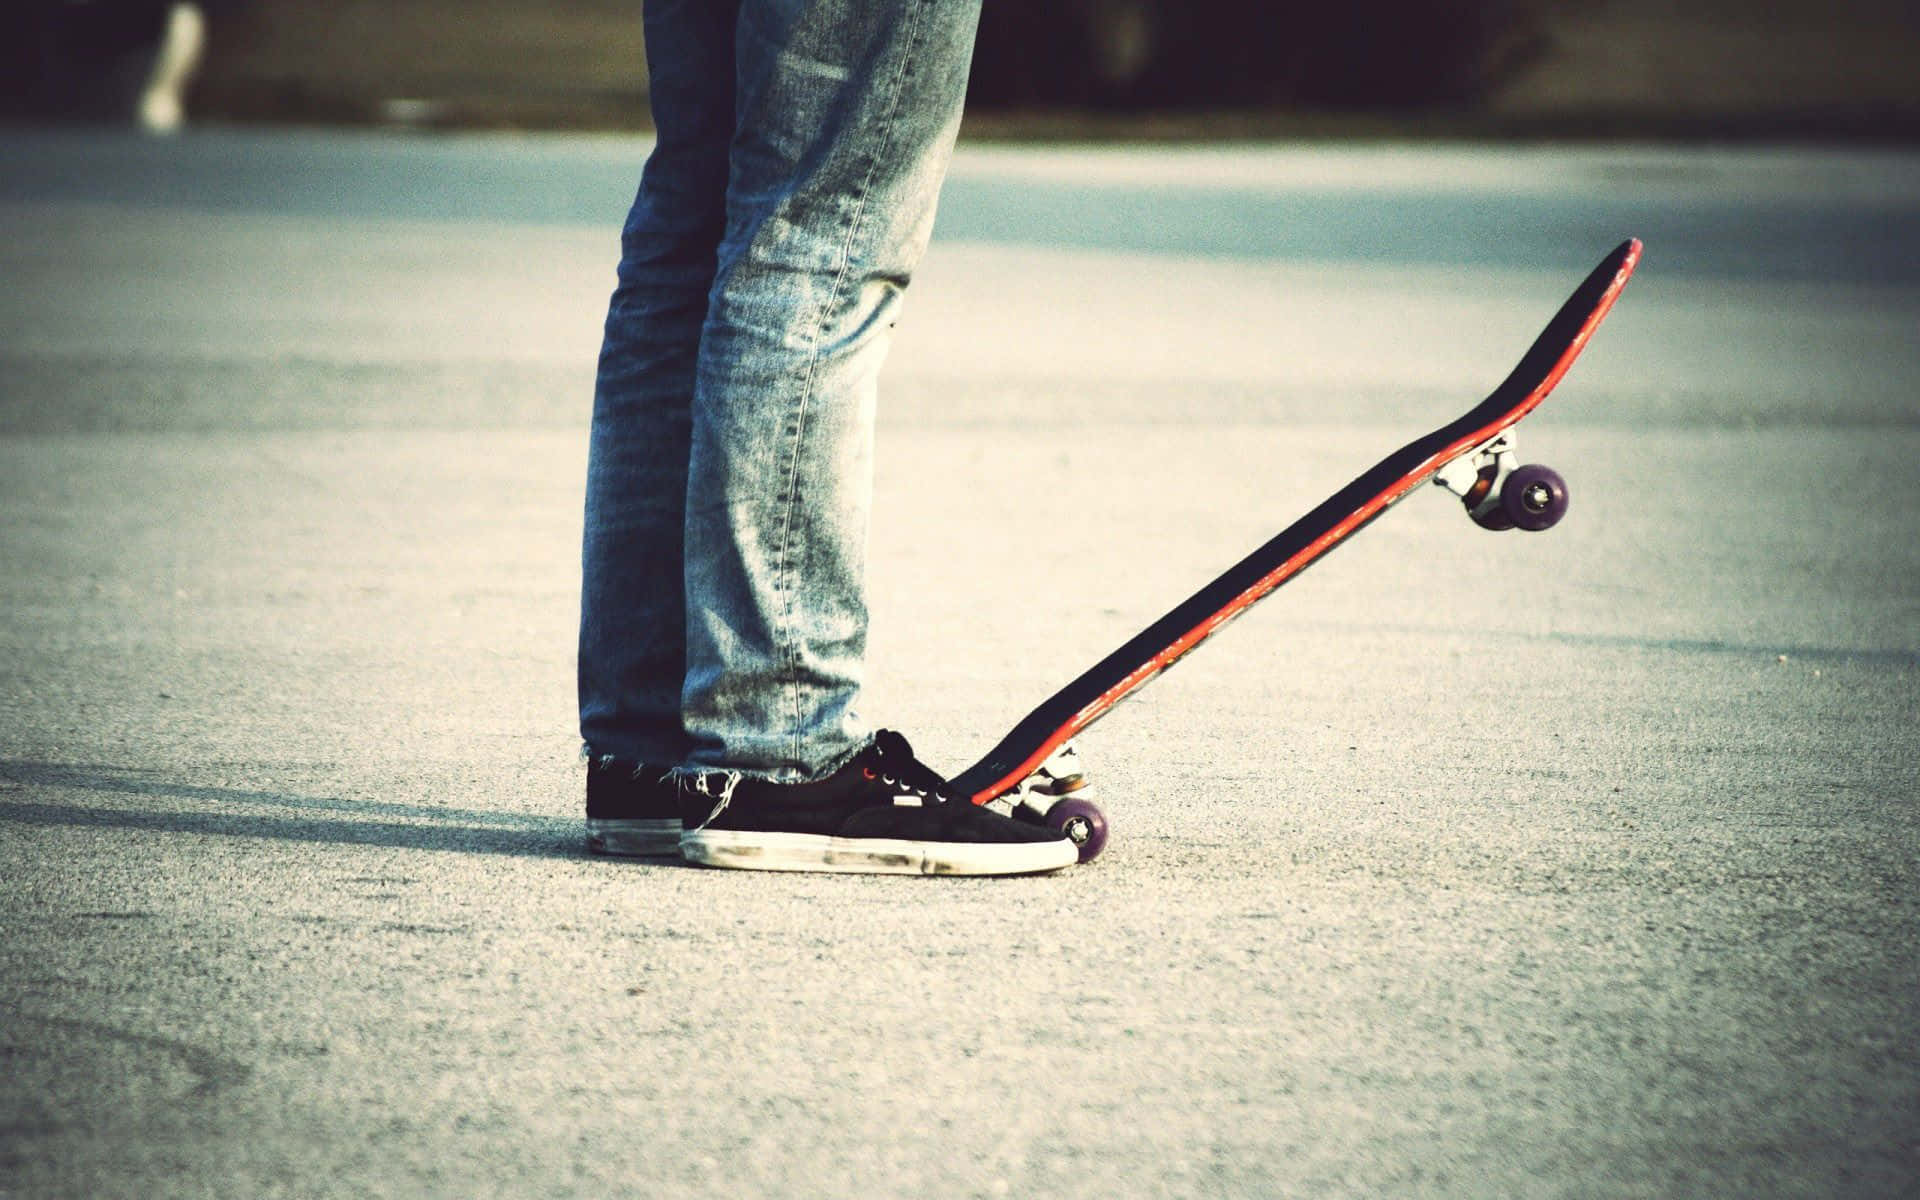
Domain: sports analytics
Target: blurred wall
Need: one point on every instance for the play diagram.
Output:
(1140, 54)
(455, 62)
(1613, 66)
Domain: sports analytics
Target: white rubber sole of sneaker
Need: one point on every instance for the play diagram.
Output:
(634, 839)
(754, 851)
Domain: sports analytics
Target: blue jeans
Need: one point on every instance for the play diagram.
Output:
(791, 191)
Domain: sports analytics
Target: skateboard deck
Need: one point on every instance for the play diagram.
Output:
(1471, 455)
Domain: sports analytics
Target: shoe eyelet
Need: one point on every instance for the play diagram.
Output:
(868, 772)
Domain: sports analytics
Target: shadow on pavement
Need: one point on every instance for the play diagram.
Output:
(371, 823)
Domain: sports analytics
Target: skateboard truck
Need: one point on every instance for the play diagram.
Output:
(1047, 798)
(1501, 495)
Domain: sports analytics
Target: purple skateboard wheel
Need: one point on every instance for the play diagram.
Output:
(1535, 497)
(1081, 823)
(1493, 517)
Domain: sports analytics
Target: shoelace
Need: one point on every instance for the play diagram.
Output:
(897, 767)
(894, 766)
(703, 784)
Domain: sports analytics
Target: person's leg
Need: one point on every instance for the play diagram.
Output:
(633, 609)
(162, 106)
(632, 606)
(846, 113)
(846, 116)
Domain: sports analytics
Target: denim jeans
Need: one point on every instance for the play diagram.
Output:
(791, 191)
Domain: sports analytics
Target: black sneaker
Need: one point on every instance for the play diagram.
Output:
(632, 809)
(882, 813)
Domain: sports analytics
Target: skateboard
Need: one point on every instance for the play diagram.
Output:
(1035, 768)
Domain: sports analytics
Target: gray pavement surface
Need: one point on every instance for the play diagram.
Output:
(1574, 865)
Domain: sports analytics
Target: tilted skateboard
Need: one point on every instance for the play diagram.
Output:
(1035, 766)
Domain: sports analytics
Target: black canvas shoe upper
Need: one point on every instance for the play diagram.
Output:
(884, 792)
(627, 791)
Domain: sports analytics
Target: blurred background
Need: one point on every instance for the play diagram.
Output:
(1176, 68)
(1582, 865)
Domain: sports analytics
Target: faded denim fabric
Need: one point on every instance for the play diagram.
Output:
(801, 148)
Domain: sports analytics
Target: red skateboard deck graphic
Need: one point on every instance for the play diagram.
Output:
(1534, 499)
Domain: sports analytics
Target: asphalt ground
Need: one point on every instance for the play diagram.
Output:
(1580, 864)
